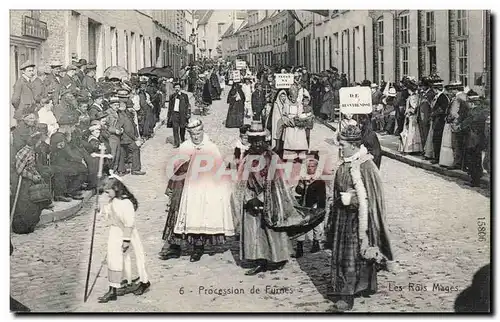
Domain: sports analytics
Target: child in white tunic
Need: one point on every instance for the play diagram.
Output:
(120, 212)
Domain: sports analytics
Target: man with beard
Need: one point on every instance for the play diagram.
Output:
(361, 242)
(199, 201)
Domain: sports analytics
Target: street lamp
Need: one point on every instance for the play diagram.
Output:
(192, 39)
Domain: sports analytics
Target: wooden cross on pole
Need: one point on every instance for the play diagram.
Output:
(101, 156)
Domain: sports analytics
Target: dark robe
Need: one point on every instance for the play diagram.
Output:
(438, 114)
(424, 111)
(265, 235)
(206, 96)
(351, 273)
(215, 88)
(372, 144)
(146, 116)
(236, 111)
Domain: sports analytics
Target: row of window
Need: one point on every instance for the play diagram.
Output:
(430, 36)
(430, 27)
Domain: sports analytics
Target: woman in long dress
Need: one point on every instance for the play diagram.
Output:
(236, 111)
(275, 122)
(411, 142)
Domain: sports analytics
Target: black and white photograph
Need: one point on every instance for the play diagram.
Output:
(250, 161)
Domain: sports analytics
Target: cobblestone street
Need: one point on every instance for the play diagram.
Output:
(432, 218)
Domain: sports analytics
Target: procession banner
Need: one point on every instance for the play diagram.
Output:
(284, 80)
(355, 100)
(241, 64)
(236, 76)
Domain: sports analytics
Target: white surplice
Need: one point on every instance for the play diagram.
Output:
(205, 206)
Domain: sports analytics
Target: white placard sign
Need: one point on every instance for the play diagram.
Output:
(284, 80)
(241, 64)
(236, 76)
(355, 100)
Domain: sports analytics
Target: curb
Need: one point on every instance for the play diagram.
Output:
(419, 163)
(63, 210)
(426, 165)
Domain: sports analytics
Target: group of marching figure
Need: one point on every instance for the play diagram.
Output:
(260, 209)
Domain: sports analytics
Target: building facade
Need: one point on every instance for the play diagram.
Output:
(385, 45)
(265, 38)
(130, 38)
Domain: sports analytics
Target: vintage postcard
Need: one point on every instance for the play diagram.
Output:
(250, 161)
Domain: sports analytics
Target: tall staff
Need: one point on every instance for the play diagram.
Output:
(101, 157)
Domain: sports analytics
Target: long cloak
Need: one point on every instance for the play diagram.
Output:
(236, 111)
(266, 236)
(352, 274)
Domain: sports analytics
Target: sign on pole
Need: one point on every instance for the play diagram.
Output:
(236, 76)
(241, 64)
(284, 80)
(355, 100)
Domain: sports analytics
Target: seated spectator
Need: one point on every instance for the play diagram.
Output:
(27, 212)
(69, 168)
(22, 132)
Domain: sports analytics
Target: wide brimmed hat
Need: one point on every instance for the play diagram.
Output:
(100, 115)
(55, 64)
(455, 86)
(114, 99)
(350, 133)
(425, 81)
(195, 125)
(81, 62)
(256, 130)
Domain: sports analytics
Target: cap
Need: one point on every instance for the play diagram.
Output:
(97, 93)
(26, 64)
(71, 67)
(81, 62)
(114, 99)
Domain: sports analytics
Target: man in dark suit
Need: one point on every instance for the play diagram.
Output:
(23, 97)
(129, 142)
(258, 102)
(179, 112)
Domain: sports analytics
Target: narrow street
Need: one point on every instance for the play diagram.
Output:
(432, 219)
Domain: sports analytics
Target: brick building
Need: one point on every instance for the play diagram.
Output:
(129, 38)
(389, 44)
(265, 38)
